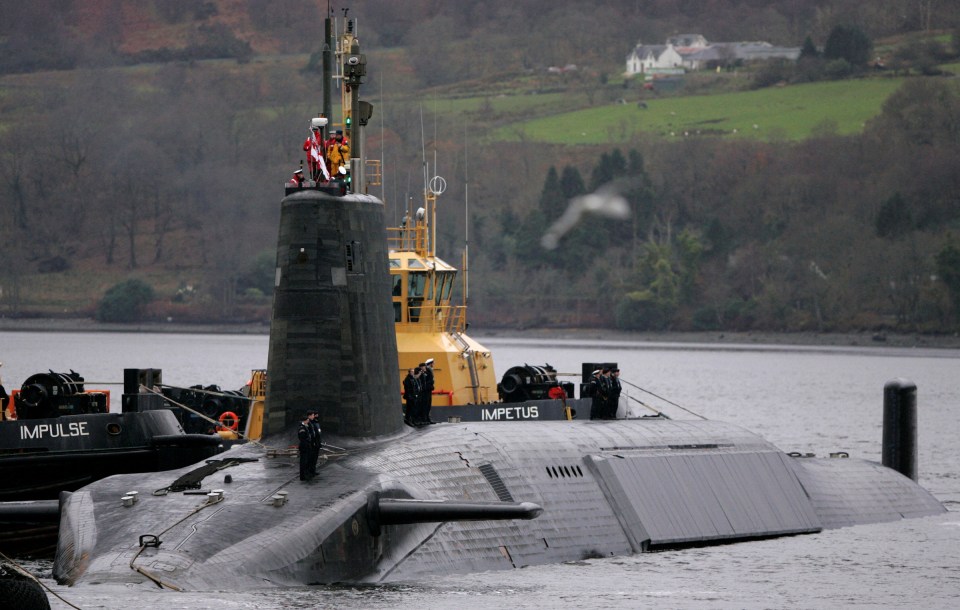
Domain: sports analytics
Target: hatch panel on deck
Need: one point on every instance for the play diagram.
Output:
(695, 497)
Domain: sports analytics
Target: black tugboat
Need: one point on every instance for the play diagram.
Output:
(55, 435)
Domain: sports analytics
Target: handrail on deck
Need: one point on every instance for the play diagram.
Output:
(438, 319)
(408, 239)
(258, 382)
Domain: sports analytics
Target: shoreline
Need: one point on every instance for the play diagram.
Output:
(89, 325)
(861, 339)
(844, 339)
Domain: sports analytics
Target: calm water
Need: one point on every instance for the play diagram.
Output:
(802, 399)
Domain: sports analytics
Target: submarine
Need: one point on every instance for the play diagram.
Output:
(392, 503)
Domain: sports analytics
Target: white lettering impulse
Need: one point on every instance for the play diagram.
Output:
(54, 430)
(501, 413)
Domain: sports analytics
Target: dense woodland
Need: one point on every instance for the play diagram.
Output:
(149, 142)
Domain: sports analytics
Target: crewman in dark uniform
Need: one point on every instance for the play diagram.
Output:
(3, 399)
(615, 390)
(596, 403)
(317, 441)
(605, 388)
(308, 434)
(426, 397)
(411, 394)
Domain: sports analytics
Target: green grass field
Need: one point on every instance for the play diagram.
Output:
(505, 109)
(778, 113)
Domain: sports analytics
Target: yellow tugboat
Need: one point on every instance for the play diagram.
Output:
(428, 324)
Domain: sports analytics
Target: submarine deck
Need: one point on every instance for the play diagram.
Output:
(606, 488)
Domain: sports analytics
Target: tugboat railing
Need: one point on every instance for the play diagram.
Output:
(408, 239)
(437, 319)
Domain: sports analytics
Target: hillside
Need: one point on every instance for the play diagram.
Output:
(794, 112)
(807, 205)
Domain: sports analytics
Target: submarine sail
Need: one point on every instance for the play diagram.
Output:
(332, 345)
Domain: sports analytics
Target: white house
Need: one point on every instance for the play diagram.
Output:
(653, 58)
(693, 52)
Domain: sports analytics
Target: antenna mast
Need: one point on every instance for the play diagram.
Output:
(327, 67)
(466, 222)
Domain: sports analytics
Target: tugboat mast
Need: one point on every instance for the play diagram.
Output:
(327, 64)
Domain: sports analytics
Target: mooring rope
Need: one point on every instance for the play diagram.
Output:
(26, 574)
(670, 402)
(660, 413)
(201, 415)
(156, 580)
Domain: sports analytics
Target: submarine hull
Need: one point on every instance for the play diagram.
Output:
(606, 488)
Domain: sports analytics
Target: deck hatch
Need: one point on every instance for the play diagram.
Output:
(676, 499)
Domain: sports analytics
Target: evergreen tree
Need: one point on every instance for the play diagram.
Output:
(571, 183)
(894, 219)
(552, 199)
(527, 246)
(808, 50)
(848, 42)
(608, 168)
(652, 305)
(639, 195)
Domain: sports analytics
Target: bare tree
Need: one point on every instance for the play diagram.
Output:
(137, 178)
(18, 156)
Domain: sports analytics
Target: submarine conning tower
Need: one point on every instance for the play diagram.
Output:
(332, 343)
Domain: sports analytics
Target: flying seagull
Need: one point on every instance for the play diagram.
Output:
(605, 201)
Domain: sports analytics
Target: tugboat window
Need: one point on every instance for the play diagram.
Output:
(397, 285)
(114, 428)
(444, 285)
(418, 282)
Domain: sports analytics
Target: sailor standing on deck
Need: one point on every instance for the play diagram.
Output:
(596, 403)
(297, 179)
(606, 388)
(309, 436)
(411, 394)
(338, 153)
(615, 390)
(3, 399)
(417, 415)
(317, 441)
(426, 396)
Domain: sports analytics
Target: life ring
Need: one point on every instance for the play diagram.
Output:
(234, 420)
(556, 393)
